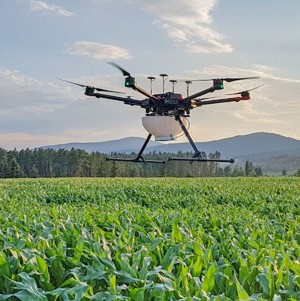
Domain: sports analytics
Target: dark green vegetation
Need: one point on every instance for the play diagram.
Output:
(49, 163)
(150, 239)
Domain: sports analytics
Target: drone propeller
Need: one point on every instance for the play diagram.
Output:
(130, 81)
(242, 93)
(125, 73)
(226, 79)
(97, 89)
(245, 91)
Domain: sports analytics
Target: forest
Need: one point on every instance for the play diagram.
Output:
(49, 163)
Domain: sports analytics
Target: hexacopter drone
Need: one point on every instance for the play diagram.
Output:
(167, 113)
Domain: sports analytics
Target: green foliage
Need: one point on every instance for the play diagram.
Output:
(150, 239)
(297, 174)
(48, 163)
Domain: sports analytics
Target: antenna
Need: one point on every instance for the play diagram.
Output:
(188, 82)
(152, 78)
(174, 82)
(164, 76)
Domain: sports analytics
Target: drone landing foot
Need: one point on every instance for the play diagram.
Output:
(200, 160)
(139, 158)
(198, 156)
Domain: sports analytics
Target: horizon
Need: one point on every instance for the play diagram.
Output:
(142, 138)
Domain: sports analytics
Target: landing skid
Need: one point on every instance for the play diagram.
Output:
(197, 157)
(139, 158)
(199, 160)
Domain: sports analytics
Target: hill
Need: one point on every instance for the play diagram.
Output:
(124, 145)
(272, 151)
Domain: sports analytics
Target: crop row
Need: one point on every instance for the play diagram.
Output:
(150, 239)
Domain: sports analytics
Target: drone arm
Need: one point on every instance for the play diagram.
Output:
(126, 100)
(191, 97)
(199, 102)
(142, 91)
(131, 83)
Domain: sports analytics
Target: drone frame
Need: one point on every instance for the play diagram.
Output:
(169, 104)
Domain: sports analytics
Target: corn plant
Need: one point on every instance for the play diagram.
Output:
(150, 239)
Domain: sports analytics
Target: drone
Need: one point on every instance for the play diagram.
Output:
(167, 113)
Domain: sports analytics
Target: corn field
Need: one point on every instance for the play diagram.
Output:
(150, 239)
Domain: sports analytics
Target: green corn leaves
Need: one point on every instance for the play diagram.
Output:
(150, 239)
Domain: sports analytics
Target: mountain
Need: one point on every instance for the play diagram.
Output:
(237, 146)
(271, 151)
(124, 145)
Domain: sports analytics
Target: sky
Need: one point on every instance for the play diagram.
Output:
(41, 41)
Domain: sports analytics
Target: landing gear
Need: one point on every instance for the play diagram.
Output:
(198, 156)
(140, 158)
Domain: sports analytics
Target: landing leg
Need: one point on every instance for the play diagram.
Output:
(187, 134)
(139, 158)
(197, 155)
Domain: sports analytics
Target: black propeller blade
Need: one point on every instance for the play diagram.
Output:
(232, 79)
(226, 79)
(125, 73)
(237, 93)
(97, 89)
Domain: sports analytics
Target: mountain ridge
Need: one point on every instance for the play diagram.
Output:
(273, 152)
(238, 145)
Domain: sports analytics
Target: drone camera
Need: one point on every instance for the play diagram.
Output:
(218, 84)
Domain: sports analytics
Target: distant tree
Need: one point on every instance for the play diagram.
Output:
(227, 171)
(4, 168)
(34, 172)
(114, 170)
(258, 171)
(238, 171)
(249, 169)
(297, 174)
(3, 163)
(15, 170)
(284, 171)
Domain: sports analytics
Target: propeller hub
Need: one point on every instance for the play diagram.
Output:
(245, 94)
(89, 91)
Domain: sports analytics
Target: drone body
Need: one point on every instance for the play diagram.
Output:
(167, 112)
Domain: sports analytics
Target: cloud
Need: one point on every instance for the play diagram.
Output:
(16, 78)
(98, 51)
(49, 8)
(188, 24)
(21, 93)
(37, 112)
(274, 107)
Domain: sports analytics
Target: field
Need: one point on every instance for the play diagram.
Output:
(150, 239)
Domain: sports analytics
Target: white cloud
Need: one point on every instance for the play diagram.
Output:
(188, 24)
(98, 51)
(249, 113)
(16, 78)
(21, 94)
(50, 8)
(273, 108)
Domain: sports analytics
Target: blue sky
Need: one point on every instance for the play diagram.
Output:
(43, 40)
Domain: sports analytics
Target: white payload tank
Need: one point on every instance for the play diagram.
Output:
(164, 128)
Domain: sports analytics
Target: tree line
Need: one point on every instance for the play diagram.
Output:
(50, 163)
